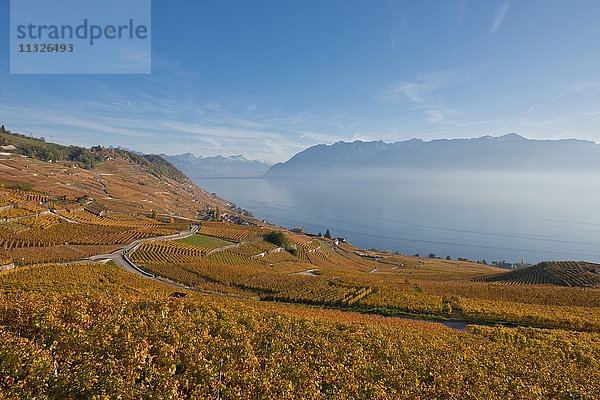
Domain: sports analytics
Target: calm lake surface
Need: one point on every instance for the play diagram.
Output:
(491, 216)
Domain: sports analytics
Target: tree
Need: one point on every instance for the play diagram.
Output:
(431, 255)
(328, 234)
(218, 217)
(277, 238)
(448, 258)
(417, 255)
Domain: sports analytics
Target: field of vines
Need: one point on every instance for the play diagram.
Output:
(409, 300)
(167, 251)
(58, 253)
(278, 257)
(49, 230)
(192, 266)
(254, 248)
(236, 233)
(120, 220)
(563, 317)
(564, 273)
(93, 331)
(236, 260)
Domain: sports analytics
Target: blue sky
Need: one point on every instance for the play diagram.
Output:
(267, 79)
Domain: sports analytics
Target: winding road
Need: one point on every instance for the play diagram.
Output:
(121, 259)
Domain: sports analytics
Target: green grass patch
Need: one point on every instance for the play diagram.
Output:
(209, 242)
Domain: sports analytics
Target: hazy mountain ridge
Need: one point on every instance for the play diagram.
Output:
(218, 166)
(510, 151)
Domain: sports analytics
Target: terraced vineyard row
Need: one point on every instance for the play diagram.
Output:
(237, 233)
(18, 244)
(126, 221)
(49, 231)
(9, 200)
(565, 273)
(236, 260)
(21, 210)
(16, 197)
(255, 248)
(575, 274)
(407, 300)
(41, 222)
(26, 196)
(167, 251)
(59, 253)
(277, 257)
(306, 289)
(122, 237)
(563, 317)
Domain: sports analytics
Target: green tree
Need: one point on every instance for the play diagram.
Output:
(328, 234)
(277, 238)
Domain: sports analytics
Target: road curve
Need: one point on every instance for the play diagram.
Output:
(121, 259)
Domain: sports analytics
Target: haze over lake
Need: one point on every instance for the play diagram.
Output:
(477, 215)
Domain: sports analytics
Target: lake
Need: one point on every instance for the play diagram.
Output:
(477, 215)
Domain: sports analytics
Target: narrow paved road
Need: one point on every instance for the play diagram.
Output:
(121, 257)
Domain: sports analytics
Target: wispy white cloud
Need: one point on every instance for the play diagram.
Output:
(500, 15)
(171, 123)
(581, 88)
(544, 103)
(420, 89)
(425, 93)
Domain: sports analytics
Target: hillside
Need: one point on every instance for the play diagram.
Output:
(218, 166)
(118, 180)
(117, 281)
(563, 273)
(508, 152)
(39, 149)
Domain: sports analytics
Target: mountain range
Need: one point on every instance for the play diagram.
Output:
(508, 152)
(218, 166)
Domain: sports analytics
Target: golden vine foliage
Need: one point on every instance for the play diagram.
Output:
(94, 331)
